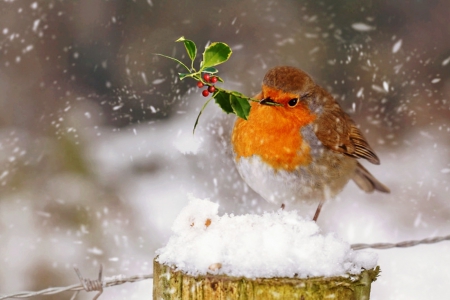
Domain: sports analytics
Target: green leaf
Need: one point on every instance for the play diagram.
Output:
(190, 46)
(215, 54)
(223, 100)
(240, 106)
(237, 94)
(210, 70)
(184, 75)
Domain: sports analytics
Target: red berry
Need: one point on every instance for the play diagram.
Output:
(206, 77)
(205, 93)
(211, 89)
(213, 79)
(200, 84)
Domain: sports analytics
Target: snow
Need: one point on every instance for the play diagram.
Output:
(51, 215)
(158, 81)
(446, 61)
(187, 143)
(435, 80)
(274, 244)
(397, 46)
(362, 27)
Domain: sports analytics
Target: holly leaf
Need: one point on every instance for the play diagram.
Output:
(223, 100)
(240, 106)
(215, 54)
(184, 75)
(190, 46)
(210, 70)
(237, 94)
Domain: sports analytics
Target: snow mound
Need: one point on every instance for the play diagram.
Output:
(275, 244)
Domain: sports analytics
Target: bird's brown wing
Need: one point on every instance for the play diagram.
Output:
(337, 131)
(361, 147)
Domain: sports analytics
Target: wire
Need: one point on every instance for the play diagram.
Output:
(98, 284)
(404, 244)
(116, 280)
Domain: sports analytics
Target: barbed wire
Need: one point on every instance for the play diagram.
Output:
(85, 285)
(98, 284)
(404, 244)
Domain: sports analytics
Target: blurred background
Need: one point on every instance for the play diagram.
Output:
(97, 155)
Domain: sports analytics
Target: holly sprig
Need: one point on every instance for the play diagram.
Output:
(231, 102)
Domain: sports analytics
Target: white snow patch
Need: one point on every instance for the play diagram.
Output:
(435, 80)
(117, 107)
(286, 41)
(158, 81)
(378, 88)
(4, 174)
(275, 244)
(237, 47)
(36, 24)
(95, 251)
(397, 46)
(446, 61)
(362, 27)
(187, 143)
(360, 93)
(144, 78)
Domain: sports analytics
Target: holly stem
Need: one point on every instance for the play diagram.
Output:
(197, 76)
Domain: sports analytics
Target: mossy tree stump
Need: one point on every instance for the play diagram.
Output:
(171, 284)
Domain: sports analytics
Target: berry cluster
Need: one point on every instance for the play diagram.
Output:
(210, 79)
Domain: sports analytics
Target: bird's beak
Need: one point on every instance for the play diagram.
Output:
(269, 102)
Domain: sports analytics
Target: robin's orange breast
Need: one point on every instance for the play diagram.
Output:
(273, 134)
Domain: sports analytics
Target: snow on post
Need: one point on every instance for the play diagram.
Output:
(277, 255)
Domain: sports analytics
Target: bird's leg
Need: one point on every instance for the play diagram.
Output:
(319, 207)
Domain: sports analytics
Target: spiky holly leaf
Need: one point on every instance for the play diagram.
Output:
(210, 70)
(184, 75)
(223, 100)
(240, 106)
(190, 46)
(215, 54)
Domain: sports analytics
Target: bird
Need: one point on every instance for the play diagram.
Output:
(298, 145)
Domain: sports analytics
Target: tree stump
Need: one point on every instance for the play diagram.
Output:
(171, 284)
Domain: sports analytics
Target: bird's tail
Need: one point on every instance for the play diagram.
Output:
(367, 182)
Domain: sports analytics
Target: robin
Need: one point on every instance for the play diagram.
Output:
(298, 144)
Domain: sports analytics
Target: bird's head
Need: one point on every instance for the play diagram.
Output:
(289, 90)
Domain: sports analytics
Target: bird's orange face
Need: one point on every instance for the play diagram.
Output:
(273, 132)
(291, 102)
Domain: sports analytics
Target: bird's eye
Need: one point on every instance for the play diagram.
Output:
(293, 102)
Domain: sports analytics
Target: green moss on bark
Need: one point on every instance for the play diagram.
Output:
(170, 284)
